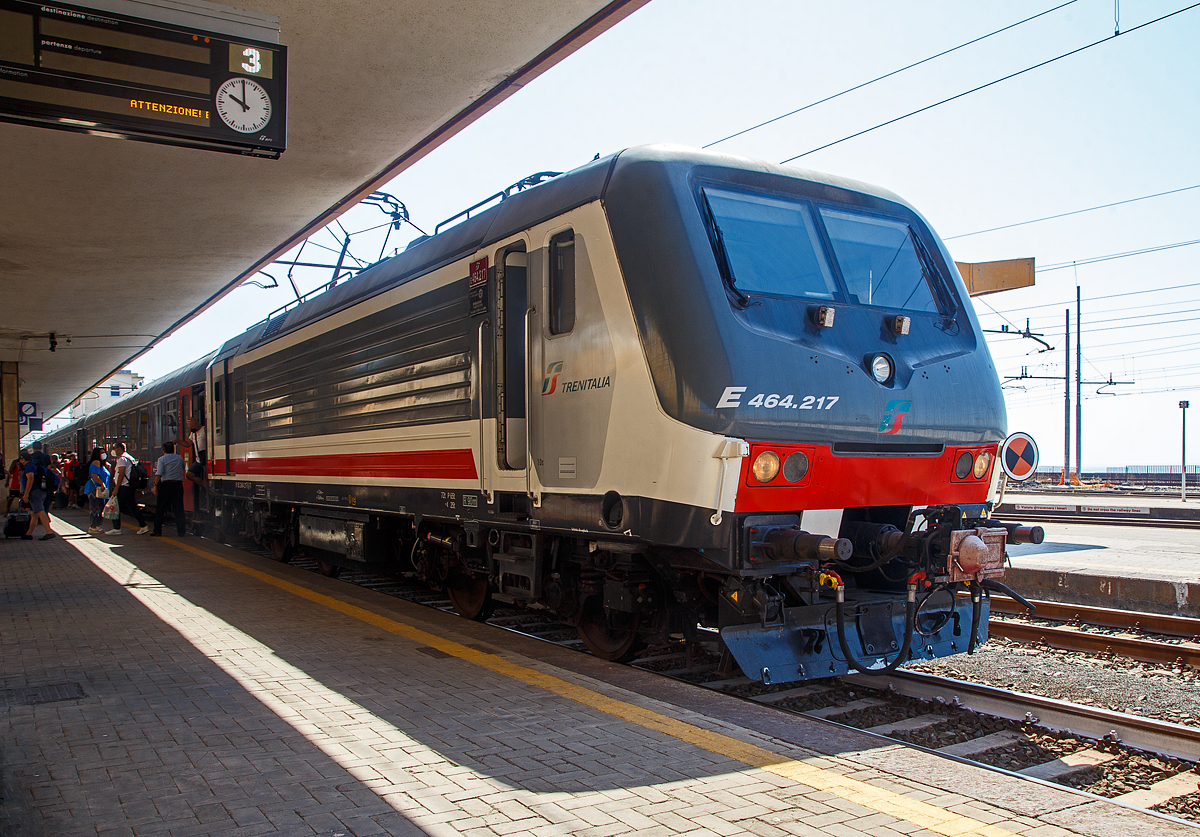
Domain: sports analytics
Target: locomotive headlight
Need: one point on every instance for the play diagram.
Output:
(982, 461)
(881, 368)
(795, 467)
(766, 466)
(963, 465)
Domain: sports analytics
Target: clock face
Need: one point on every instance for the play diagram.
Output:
(244, 105)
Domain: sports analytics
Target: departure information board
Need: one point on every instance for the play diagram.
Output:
(80, 69)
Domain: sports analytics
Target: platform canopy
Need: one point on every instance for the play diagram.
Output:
(115, 243)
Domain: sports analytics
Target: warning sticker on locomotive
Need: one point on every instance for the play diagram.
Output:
(732, 397)
(478, 287)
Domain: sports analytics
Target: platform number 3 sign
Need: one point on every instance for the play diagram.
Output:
(253, 62)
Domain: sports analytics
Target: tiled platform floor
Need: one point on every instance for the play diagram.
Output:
(180, 687)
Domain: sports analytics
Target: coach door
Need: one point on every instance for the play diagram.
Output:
(219, 443)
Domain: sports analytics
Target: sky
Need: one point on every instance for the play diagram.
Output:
(1114, 122)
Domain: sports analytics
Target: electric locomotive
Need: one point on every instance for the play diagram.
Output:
(670, 393)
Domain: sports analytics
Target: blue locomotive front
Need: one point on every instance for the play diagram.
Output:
(822, 322)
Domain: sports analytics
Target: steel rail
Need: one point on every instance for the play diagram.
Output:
(1104, 617)
(1070, 638)
(1088, 721)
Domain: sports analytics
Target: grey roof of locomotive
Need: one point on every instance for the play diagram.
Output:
(518, 212)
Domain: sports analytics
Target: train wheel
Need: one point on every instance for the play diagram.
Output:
(606, 642)
(470, 596)
(328, 568)
(281, 549)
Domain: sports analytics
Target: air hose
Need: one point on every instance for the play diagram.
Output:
(910, 621)
(991, 585)
(976, 615)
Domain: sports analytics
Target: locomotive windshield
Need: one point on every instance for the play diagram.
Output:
(772, 245)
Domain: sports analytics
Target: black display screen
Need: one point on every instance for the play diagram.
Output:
(80, 69)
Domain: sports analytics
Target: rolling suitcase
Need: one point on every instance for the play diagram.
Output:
(17, 524)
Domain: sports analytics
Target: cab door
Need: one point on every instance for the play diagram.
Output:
(574, 368)
(506, 454)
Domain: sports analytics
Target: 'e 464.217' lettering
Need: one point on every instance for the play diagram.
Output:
(732, 397)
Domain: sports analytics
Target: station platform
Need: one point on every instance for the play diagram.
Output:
(1140, 563)
(163, 686)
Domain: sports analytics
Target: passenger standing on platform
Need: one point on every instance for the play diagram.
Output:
(168, 488)
(40, 457)
(126, 493)
(60, 495)
(40, 482)
(98, 477)
(74, 478)
(14, 484)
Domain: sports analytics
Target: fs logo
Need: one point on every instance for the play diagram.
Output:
(550, 382)
(893, 418)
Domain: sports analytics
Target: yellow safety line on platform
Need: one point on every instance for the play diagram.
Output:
(861, 793)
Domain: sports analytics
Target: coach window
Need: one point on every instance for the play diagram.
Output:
(170, 423)
(561, 300)
(155, 427)
(218, 409)
(143, 431)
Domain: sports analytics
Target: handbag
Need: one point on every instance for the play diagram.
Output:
(111, 512)
(99, 491)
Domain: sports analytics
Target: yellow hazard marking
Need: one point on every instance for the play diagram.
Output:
(861, 793)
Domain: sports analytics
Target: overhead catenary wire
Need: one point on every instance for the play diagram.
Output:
(987, 85)
(1111, 256)
(1095, 298)
(885, 76)
(1072, 212)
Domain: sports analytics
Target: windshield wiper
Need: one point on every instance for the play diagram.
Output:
(949, 309)
(718, 242)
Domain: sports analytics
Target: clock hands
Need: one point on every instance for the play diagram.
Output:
(245, 107)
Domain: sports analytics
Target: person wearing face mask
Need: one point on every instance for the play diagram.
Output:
(96, 490)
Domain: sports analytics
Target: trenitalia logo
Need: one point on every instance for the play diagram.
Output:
(550, 382)
(893, 418)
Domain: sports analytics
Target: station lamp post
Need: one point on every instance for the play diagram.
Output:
(1183, 405)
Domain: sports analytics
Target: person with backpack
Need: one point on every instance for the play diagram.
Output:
(40, 483)
(127, 473)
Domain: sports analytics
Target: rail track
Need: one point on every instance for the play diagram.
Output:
(1134, 760)
(1178, 641)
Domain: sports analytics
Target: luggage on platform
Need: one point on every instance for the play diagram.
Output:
(17, 524)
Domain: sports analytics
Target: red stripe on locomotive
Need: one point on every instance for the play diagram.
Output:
(458, 464)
